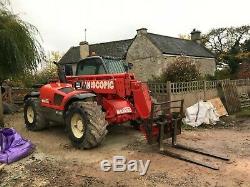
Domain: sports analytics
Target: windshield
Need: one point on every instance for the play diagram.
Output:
(90, 66)
(114, 65)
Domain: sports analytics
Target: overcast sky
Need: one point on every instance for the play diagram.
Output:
(62, 22)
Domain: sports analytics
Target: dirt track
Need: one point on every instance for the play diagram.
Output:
(56, 163)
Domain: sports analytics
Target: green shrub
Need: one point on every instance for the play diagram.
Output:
(219, 75)
(183, 69)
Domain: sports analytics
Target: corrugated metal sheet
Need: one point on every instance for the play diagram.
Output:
(115, 65)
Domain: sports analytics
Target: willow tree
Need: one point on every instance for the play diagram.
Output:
(20, 50)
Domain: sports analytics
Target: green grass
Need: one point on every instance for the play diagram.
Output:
(244, 113)
(187, 127)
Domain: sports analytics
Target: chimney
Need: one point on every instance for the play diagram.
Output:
(141, 31)
(84, 49)
(196, 36)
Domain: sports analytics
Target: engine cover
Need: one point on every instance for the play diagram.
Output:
(118, 110)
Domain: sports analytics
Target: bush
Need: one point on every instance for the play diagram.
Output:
(243, 71)
(219, 75)
(181, 70)
(41, 77)
(46, 74)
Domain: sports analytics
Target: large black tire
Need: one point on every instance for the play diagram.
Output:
(86, 124)
(33, 118)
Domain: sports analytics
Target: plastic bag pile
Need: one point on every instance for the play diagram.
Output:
(201, 112)
(12, 146)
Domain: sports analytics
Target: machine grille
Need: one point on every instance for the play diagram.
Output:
(58, 99)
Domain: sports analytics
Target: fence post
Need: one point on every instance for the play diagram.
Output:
(1, 109)
(169, 95)
(204, 89)
(10, 95)
(168, 91)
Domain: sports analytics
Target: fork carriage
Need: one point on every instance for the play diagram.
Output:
(169, 126)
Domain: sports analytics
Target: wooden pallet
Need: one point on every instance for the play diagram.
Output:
(244, 100)
(231, 97)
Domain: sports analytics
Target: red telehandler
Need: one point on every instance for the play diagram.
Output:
(93, 98)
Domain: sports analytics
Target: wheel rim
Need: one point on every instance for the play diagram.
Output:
(77, 125)
(30, 114)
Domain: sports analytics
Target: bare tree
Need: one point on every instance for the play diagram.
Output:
(223, 40)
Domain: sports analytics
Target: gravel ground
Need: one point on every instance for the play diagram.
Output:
(56, 163)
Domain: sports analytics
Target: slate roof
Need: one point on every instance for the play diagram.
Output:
(115, 49)
(177, 46)
(118, 49)
(71, 56)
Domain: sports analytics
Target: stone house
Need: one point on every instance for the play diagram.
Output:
(149, 53)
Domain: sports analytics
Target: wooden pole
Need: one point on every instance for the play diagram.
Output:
(1, 109)
(169, 95)
(205, 90)
(168, 91)
(10, 95)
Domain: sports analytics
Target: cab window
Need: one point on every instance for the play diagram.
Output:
(68, 69)
(90, 67)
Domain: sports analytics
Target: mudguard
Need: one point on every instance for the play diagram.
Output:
(31, 94)
(83, 96)
(78, 97)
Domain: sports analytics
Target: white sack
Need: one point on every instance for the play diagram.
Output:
(201, 112)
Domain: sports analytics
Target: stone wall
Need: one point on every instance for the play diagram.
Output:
(206, 66)
(190, 98)
(145, 56)
(149, 61)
